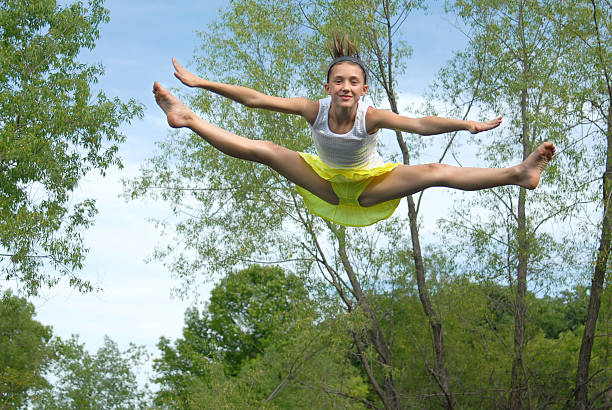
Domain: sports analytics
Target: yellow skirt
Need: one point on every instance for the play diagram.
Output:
(348, 184)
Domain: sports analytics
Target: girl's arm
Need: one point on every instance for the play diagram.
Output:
(249, 97)
(377, 119)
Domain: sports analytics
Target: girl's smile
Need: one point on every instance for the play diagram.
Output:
(346, 83)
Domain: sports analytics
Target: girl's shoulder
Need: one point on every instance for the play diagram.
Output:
(311, 110)
(372, 111)
(302, 106)
(374, 118)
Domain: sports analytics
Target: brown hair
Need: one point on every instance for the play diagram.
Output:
(340, 46)
(342, 49)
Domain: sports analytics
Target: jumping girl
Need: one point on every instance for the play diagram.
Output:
(347, 182)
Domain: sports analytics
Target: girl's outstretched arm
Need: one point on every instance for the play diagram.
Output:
(377, 119)
(249, 97)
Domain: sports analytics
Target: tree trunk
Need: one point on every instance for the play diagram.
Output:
(389, 395)
(519, 384)
(584, 358)
(386, 80)
(440, 373)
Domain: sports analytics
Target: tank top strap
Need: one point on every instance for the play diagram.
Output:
(360, 120)
(321, 120)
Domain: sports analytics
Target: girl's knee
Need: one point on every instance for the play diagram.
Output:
(264, 152)
(437, 172)
(436, 168)
(366, 200)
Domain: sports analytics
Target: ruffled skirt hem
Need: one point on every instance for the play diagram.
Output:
(348, 184)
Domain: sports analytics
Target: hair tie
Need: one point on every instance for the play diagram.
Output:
(352, 60)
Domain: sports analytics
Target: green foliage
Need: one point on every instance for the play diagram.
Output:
(230, 210)
(39, 372)
(308, 362)
(246, 307)
(553, 379)
(478, 332)
(556, 315)
(233, 212)
(53, 130)
(243, 310)
(479, 327)
(105, 380)
(25, 351)
(306, 368)
(258, 333)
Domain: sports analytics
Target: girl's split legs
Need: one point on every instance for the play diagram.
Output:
(403, 180)
(409, 179)
(286, 162)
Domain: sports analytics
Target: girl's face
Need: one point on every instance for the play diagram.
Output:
(346, 84)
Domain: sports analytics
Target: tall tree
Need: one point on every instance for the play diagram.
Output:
(514, 65)
(26, 351)
(590, 31)
(234, 212)
(53, 130)
(376, 27)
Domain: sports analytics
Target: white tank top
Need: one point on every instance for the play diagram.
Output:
(355, 149)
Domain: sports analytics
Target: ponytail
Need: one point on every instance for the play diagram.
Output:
(342, 49)
(340, 46)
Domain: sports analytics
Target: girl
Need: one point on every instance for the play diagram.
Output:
(347, 182)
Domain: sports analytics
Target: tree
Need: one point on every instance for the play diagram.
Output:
(233, 212)
(53, 130)
(105, 380)
(247, 306)
(382, 21)
(516, 64)
(590, 31)
(245, 309)
(25, 351)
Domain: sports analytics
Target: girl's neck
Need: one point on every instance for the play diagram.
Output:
(341, 119)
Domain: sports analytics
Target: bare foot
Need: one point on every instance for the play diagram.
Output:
(536, 162)
(178, 114)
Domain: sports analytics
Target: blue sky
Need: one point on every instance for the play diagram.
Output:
(135, 304)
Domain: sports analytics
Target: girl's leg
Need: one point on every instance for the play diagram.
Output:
(286, 162)
(409, 179)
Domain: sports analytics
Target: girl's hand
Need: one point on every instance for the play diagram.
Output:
(185, 76)
(475, 127)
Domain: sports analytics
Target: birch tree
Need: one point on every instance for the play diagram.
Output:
(233, 212)
(514, 65)
(590, 31)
